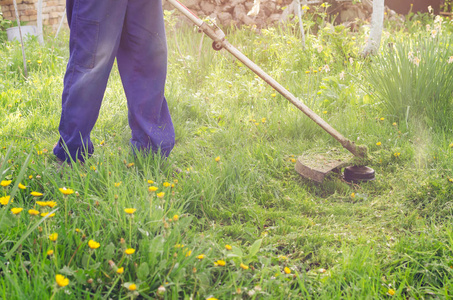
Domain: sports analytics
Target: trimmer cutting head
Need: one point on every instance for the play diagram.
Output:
(358, 174)
(318, 165)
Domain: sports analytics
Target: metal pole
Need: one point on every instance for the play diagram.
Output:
(220, 42)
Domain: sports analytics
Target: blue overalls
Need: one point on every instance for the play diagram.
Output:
(133, 32)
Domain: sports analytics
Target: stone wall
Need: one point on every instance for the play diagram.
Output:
(225, 12)
(52, 11)
(234, 12)
(238, 12)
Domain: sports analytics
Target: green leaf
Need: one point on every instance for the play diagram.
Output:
(109, 251)
(253, 250)
(237, 251)
(67, 271)
(143, 271)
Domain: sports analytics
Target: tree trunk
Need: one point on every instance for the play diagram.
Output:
(377, 24)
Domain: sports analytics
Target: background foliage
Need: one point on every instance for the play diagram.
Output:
(262, 231)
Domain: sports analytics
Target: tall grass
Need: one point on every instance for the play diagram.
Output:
(237, 142)
(412, 79)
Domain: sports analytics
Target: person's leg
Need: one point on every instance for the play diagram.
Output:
(142, 62)
(96, 28)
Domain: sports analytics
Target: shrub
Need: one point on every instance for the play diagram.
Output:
(3, 25)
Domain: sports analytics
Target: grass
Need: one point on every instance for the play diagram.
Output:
(236, 141)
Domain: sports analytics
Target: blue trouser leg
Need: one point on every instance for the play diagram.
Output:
(142, 62)
(100, 31)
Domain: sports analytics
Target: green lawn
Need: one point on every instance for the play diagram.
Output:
(238, 222)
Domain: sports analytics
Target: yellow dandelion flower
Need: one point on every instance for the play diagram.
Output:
(30, 177)
(305, 7)
(33, 212)
(166, 184)
(221, 263)
(324, 112)
(378, 143)
(39, 62)
(120, 270)
(49, 252)
(129, 165)
(36, 194)
(307, 72)
(41, 203)
(93, 245)
(117, 184)
(201, 256)
(5, 183)
(129, 251)
(382, 119)
(51, 204)
(394, 124)
(352, 195)
(245, 267)
(396, 154)
(160, 195)
(77, 230)
(451, 145)
(293, 160)
(211, 298)
(450, 179)
(228, 247)
(5, 200)
(179, 246)
(16, 210)
(53, 237)
(287, 270)
(175, 218)
(132, 287)
(172, 185)
(21, 186)
(61, 280)
(150, 181)
(274, 95)
(391, 292)
(44, 214)
(153, 188)
(217, 159)
(93, 168)
(130, 211)
(188, 253)
(66, 191)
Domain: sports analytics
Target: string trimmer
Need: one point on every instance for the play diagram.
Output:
(307, 167)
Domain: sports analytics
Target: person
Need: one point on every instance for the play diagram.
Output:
(132, 31)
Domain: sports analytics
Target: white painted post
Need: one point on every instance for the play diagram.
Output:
(21, 39)
(39, 23)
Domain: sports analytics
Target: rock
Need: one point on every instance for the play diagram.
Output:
(225, 18)
(239, 12)
(192, 4)
(274, 18)
(207, 7)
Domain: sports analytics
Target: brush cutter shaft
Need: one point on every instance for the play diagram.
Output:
(220, 42)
